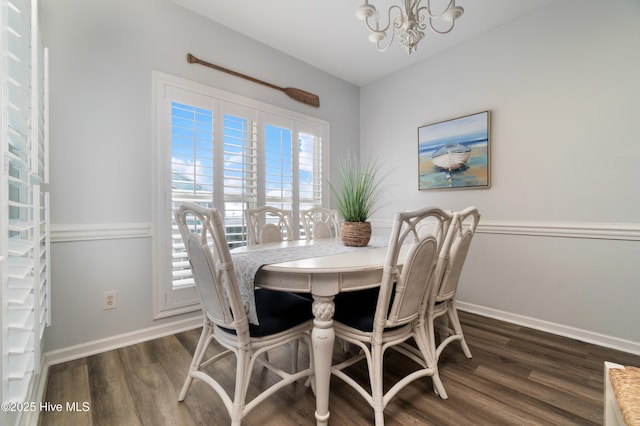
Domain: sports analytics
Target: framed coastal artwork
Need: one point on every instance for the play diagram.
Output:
(455, 153)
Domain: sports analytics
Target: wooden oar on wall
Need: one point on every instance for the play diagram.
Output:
(296, 94)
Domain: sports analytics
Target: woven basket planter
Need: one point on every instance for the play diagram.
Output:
(355, 234)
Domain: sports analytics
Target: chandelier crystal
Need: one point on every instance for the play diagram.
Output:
(407, 23)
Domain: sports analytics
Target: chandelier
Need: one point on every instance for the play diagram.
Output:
(407, 23)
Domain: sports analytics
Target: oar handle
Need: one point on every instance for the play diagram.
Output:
(193, 60)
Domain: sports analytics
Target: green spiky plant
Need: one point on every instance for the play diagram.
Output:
(358, 188)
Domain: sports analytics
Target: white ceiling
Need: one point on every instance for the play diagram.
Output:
(327, 35)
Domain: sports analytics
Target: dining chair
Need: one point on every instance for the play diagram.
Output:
(320, 222)
(442, 301)
(283, 317)
(390, 320)
(269, 224)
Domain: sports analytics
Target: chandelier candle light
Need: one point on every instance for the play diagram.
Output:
(407, 23)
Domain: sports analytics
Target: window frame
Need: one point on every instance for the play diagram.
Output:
(167, 299)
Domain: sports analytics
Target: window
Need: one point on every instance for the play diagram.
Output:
(225, 151)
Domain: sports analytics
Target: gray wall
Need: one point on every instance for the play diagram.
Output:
(558, 244)
(102, 54)
(558, 247)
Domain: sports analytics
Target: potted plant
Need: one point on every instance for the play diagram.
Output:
(357, 190)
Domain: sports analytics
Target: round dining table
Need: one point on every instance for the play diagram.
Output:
(323, 277)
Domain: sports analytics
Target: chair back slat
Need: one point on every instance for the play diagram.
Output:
(412, 284)
(202, 231)
(268, 224)
(322, 230)
(270, 233)
(454, 254)
(208, 282)
(406, 289)
(320, 222)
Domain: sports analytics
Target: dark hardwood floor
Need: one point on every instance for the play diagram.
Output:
(518, 376)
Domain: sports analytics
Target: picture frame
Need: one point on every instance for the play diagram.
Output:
(455, 154)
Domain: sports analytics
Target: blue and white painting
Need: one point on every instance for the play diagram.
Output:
(454, 153)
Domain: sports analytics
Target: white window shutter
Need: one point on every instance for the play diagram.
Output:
(191, 174)
(24, 242)
(239, 163)
(312, 188)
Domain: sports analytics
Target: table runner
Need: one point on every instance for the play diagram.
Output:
(247, 264)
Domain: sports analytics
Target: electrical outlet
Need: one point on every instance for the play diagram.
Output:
(110, 300)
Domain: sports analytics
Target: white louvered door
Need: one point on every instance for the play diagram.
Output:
(24, 241)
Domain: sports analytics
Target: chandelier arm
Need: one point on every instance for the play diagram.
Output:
(431, 16)
(435, 30)
(392, 24)
(389, 39)
(377, 29)
(385, 48)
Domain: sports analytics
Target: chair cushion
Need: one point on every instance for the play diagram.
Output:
(356, 309)
(277, 311)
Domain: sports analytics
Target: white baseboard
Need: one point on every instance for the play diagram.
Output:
(119, 341)
(549, 327)
(115, 342)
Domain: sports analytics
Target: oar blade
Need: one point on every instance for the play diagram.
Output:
(302, 96)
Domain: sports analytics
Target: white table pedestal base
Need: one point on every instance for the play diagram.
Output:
(322, 338)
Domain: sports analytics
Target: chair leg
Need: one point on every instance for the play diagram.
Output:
(311, 381)
(422, 340)
(375, 376)
(455, 321)
(344, 345)
(430, 334)
(294, 356)
(444, 330)
(243, 376)
(198, 355)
